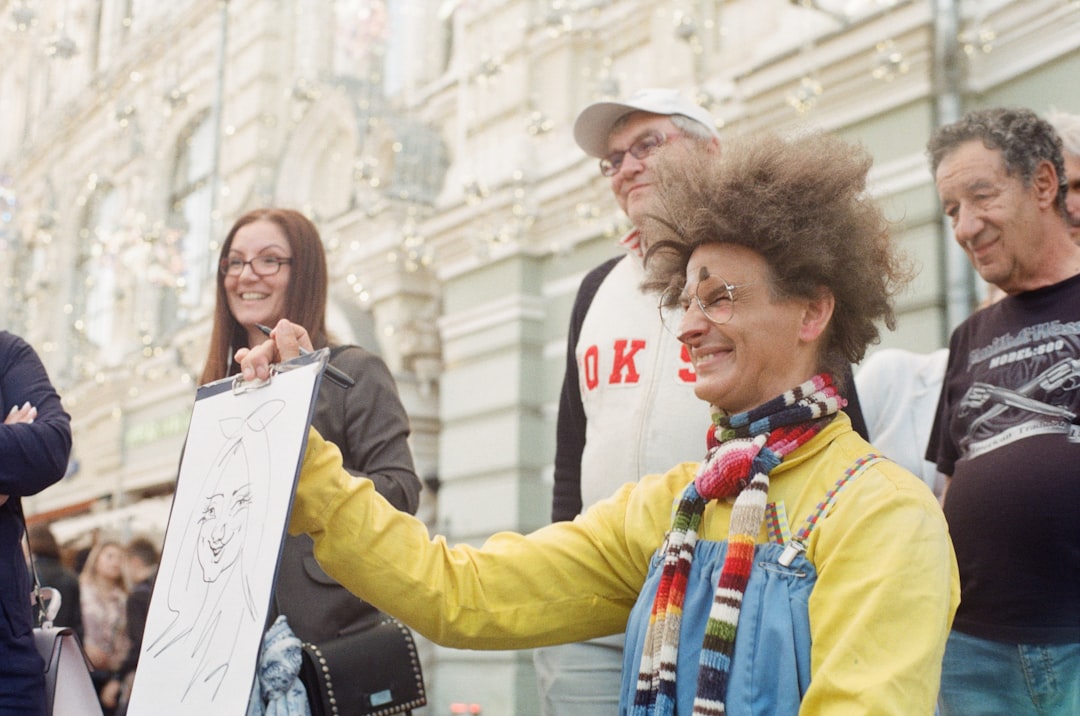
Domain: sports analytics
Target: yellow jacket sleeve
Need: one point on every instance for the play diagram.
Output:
(510, 593)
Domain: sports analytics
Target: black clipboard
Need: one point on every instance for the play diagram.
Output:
(242, 456)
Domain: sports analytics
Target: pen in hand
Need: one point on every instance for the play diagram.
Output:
(336, 375)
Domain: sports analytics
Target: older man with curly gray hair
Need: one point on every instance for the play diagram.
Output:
(1006, 433)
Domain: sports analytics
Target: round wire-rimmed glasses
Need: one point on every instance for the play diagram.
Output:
(715, 297)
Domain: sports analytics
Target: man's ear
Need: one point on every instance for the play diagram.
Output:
(1045, 182)
(817, 313)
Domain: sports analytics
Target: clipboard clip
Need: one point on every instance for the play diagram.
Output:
(241, 386)
(316, 360)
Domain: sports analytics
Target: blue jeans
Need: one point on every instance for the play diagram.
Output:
(982, 677)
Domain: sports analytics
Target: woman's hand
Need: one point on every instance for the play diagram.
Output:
(284, 343)
(21, 414)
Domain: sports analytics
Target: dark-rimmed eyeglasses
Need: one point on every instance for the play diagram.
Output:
(715, 297)
(643, 147)
(262, 266)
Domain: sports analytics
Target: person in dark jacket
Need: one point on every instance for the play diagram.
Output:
(35, 443)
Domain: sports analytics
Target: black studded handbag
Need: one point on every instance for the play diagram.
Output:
(372, 672)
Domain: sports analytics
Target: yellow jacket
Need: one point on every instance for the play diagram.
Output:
(880, 612)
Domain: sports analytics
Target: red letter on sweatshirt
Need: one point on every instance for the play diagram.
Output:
(687, 374)
(589, 367)
(624, 361)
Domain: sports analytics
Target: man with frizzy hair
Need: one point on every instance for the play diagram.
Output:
(841, 608)
(628, 387)
(1006, 433)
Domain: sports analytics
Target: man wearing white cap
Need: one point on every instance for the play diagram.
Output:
(628, 390)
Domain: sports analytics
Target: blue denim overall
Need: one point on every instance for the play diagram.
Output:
(771, 666)
(770, 669)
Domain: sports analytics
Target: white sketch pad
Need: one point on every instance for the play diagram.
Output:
(242, 457)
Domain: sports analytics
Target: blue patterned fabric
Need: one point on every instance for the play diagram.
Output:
(278, 690)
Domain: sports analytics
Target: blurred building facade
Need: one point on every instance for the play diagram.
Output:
(430, 141)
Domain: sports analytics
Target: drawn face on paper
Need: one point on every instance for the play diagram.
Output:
(223, 522)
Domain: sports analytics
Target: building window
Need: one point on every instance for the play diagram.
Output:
(96, 270)
(190, 217)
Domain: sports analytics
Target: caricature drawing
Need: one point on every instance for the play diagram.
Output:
(209, 592)
(209, 606)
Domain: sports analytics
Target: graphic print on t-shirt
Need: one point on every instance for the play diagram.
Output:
(1023, 384)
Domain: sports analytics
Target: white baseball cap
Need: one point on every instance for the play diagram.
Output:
(593, 126)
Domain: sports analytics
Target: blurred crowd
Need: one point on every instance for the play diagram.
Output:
(105, 586)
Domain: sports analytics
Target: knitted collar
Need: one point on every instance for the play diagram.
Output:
(743, 450)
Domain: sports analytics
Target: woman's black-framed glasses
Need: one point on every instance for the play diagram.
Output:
(715, 297)
(643, 147)
(262, 265)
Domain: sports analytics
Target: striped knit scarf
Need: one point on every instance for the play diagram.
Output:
(743, 449)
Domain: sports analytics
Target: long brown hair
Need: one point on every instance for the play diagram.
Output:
(89, 575)
(305, 300)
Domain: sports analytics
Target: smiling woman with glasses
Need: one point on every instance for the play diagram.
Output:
(367, 420)
(252, 288)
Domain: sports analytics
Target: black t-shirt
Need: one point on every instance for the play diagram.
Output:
(1007, 430)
